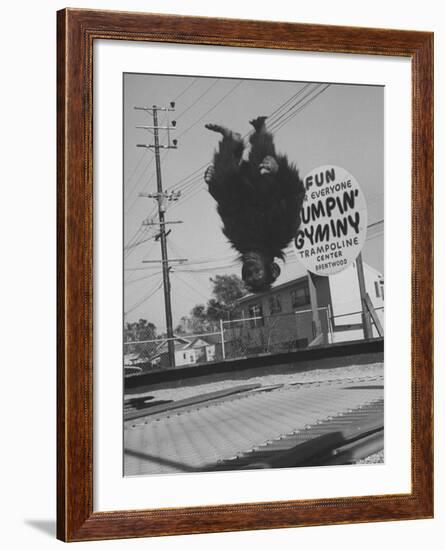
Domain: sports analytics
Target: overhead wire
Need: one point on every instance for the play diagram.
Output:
(276, 119)
(151, 293)
(189, 128)
(190, 179)
(136, 183)
(283, 105)
(194, 289)
(137, 243)
(139, 233)
(183, 183)
(206, 91)
(144, 153)
(141, 158)
(211, 109)
(187, 182)
(304, 106)
(134, 237)
(142, 278)
(186, 89)
(375, 223)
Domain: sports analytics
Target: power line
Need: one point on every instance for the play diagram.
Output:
(137, 243)
(186, 267)
(144, 153)
(197, 265)
(375, 223)
(145, 277)
(379, 234)
(181, 184)
(186, 89)
(196, 174)
(189, 195)
(134, 186)
(134, 237)
(187, 183)
(190, 180)
(295, 113)
(212, 108)
(129, 208)
(149, 250)
(129, 279)
(275, 121)
(162, 198)
(139, 268)
(191, 287)
(175, 248)
(141, 158)
(144, 299)
(282, 106)
(198, 98)
(207, 270)
(142, 229)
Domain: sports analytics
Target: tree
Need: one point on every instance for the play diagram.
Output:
(227, 289)
(199, 311)
(199, 321)
(141, 330)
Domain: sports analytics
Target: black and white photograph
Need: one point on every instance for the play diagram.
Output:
(253, 274)
(221, 234)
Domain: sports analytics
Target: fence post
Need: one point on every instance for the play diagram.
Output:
(223, 348)
(330, 323)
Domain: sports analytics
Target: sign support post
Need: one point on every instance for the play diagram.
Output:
(366, 319)
(316, 328)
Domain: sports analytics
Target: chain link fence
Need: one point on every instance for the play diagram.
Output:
(275, 333)
(248, 337)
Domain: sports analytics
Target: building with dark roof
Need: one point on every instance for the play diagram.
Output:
(308, 310)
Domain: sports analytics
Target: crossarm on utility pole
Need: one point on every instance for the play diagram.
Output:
(162, 199)
(163, 240)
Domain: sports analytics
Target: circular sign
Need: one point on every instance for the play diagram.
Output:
(333, 221)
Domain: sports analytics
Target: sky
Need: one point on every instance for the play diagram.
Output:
(341, 125)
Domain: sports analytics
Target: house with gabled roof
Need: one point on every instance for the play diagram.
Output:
(188, 351)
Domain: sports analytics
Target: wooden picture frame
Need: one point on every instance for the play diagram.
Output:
(77, 31)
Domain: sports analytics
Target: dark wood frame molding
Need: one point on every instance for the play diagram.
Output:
(77, 30)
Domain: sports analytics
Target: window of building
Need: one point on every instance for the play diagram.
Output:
(256, 316)
(300, 296)
(274, 305)
(377, 289)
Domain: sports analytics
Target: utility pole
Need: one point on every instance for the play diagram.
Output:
(162, 199)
